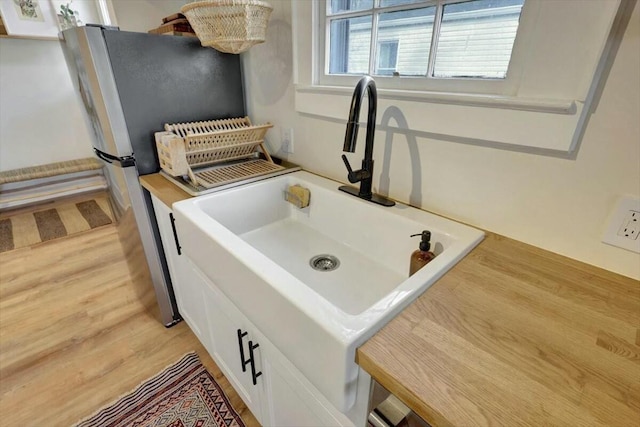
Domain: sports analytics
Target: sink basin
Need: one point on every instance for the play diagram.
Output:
(259, 250)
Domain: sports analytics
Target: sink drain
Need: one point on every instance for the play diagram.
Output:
(324, 262)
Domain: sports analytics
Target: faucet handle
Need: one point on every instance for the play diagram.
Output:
(346, 163)
(350, 176)
(356, 176)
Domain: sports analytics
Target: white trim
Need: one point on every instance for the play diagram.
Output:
(551, 132)
(49, 189)
(477, 100)
(106, 12)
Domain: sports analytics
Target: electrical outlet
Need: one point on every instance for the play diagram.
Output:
(624, 225)
(287, 140)
(630, 225)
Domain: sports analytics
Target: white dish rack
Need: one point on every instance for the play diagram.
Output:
(214, 152)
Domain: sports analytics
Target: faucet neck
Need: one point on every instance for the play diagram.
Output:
(367, 84)
(364, 175)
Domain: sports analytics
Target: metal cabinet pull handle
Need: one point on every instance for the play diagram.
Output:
(243, 362)
(175, 233)
(254, 374)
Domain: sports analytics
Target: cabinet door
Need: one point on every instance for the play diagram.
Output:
(186, 288)
(194, 303)
(231, 336)
(290, 400)
(280, 395)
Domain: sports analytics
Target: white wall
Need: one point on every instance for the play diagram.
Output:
(144, 15)
(558, 204)
(40, 118)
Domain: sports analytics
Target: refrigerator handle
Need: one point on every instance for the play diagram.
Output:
(123, 162)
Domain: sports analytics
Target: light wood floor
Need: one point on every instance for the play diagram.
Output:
(74, 334)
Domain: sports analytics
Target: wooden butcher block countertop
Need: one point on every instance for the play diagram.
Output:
(514, 335)
(511, 336)
(163, 189)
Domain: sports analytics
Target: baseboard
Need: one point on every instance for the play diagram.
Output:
(41, 190)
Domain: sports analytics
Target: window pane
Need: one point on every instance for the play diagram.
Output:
(350, 41)
(387, 57)
(350, 5)
(387, 3)
(410, 31)
(476, 38)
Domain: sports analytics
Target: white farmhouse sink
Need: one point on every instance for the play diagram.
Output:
(256, 247)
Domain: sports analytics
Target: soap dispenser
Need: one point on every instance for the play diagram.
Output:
(421, 256)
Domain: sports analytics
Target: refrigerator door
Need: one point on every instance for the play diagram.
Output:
(131, 84)
(89, 68)
(167, 79)
(88, 61)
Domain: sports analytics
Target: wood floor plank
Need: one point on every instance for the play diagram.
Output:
(75, 333)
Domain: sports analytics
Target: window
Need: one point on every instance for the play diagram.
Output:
(433, 39)
(537, 92)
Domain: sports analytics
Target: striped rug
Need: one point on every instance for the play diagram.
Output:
(184, 394)
(27, 229)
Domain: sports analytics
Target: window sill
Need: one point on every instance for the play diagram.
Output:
(534, 125)
(472, 100)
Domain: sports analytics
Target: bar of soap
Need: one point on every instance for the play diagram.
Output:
(299, 196)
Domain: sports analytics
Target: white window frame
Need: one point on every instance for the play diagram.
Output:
(559, 57)
(504, 86)
(106, 12)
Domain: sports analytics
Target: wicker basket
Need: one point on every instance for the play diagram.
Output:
(230, 26)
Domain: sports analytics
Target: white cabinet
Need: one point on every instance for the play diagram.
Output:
(292, 400)
(270, 385)
(276, 393)
(187, 291)
(235, 350)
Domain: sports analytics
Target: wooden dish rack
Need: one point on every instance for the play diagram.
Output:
(209, 152)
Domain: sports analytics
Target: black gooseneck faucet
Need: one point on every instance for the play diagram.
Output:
(364, 175)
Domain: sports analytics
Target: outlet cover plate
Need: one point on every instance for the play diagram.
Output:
(617, 220)
(287, 140)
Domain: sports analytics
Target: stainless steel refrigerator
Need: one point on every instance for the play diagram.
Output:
(131, 84)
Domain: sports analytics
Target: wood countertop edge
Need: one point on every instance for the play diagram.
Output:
(417, 405)
(516, 266)
(167, 192)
